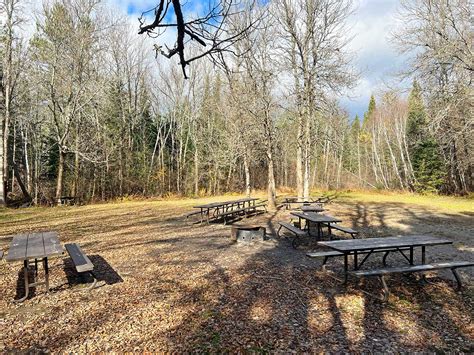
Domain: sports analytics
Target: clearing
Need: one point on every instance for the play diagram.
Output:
(170, 285)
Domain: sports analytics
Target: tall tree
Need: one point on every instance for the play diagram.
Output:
(313, 50)
(10, 71)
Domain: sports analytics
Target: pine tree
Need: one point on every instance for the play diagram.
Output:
(370, 110)
(427, 164)
(416, 122)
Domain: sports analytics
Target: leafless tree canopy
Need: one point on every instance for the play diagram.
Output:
(210, 30)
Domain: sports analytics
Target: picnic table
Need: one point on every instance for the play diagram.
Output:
(288, 200)
(316, 218)
(219, 209)
(311, 209)
(368, 246)
(37, 246)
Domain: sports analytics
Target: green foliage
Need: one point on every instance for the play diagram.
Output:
(416, 122)
(355, 127)
(428, 167)
(370, 111)
(426, 159)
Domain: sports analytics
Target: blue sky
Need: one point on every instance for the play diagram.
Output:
(375, 58)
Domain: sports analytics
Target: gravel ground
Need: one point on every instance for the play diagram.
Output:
(170, 285)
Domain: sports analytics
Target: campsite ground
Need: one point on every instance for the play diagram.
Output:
(171, 285)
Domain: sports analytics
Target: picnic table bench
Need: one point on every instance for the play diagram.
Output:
(343, 229)
(81, 261)
(297, 232)
(381, 273)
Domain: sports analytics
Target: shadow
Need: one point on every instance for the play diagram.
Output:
(190, 289)
(102, 271)
(20, 283)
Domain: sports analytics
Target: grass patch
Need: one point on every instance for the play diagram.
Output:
(445, 203)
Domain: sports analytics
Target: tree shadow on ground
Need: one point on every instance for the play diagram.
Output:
(188, 288)
(274, 303)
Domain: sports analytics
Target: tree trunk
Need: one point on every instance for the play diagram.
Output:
(2, 175)
(59, 182)
(247, 176)
(299, 160)
(196, 172)
(307, 161)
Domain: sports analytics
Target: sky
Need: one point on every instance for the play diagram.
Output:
(375, 58)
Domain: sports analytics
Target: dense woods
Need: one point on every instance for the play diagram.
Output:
(88, 111)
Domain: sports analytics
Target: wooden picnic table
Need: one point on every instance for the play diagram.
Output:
(288, 200)
(311, 209)
(37, 246)
(316, 218)
(224, 206)
(369, 245)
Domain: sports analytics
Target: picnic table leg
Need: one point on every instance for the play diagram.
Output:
(423, 257)
(355, 260)
(346, 267)
(411, 255)
(27, 285)
(46, 274)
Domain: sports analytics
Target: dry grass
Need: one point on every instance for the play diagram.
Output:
(170, 285)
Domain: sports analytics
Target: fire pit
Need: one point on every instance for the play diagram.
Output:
(247, 233)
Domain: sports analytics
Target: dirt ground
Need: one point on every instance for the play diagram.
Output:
(170, 285)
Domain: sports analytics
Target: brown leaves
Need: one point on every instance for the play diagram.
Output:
(185, 287)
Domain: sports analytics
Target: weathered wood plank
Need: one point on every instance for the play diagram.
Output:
(322, 254)
(17, 250)
(415, 268)
(293, 229)
(380, 243)
(52, 246)
(35, 246)
(80, 260)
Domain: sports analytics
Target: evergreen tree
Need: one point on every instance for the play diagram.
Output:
(355, 127)
(370, 110)
(424, 151)
(416, 122)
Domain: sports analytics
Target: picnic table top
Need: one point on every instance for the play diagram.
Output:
(34, 246)
(349, 245)
(223, 203)
(316, 217)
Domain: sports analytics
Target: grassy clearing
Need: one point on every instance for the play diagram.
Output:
(173, 286)
(444, 203)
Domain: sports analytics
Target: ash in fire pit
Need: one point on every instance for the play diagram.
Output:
(247, 233)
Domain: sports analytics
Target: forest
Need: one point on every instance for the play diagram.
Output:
(90, 109)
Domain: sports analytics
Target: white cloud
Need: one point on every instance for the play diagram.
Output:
(372, 25)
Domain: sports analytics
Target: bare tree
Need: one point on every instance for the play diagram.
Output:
(313, 41)
(11, 9)
(210, 30)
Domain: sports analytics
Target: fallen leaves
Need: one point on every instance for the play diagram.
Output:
(183, 287)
